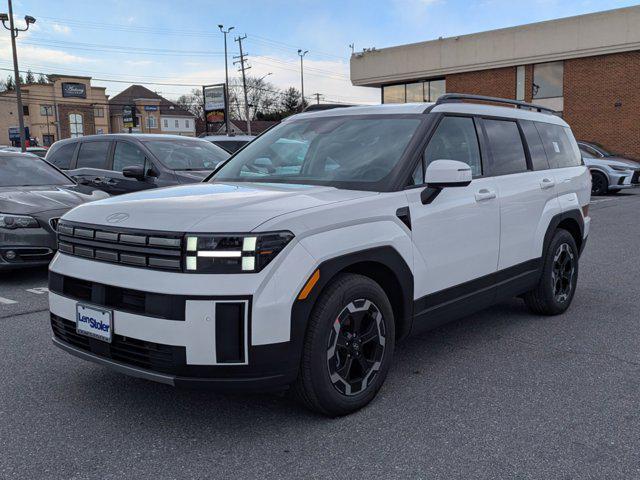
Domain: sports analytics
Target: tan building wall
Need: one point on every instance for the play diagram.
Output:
(94, 109)
(148, 118)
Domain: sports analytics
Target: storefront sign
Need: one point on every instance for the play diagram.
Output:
(215, 108)
(151, 108)
(128, 116)
(77, 90)
(14, 133)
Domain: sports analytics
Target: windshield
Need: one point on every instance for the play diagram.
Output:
(356, 152)
(187, 154)
(27, 170)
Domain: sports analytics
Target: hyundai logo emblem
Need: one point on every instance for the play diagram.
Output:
(117, 217)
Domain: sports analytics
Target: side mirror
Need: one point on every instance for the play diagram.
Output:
(444, 174)
(134, 171)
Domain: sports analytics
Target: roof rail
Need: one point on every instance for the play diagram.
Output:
(326, 106)
(459, 97)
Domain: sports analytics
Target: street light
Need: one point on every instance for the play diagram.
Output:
(302, 54)
(264, 76)
(226, 78)
(16, 74)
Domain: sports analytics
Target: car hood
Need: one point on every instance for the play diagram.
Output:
(208, 207)
(611, 162)
(30, 200)
(191, 176)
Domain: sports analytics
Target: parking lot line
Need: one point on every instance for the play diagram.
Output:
(38, 290)
(7, 301)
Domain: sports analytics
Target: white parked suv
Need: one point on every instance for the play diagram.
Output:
(304, 271)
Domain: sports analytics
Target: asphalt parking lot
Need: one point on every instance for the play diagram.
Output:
(502, 394)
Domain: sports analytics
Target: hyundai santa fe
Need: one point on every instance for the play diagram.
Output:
(303, 271)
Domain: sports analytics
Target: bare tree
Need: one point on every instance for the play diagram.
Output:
(263, 98)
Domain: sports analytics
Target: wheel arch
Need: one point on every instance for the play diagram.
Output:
(384, 265)
(570, 221)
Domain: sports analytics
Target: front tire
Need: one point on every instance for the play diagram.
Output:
(599, 184)
(348, 346)
(559, 278)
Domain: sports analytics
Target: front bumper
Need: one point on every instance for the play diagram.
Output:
(26, 247)
(173, 331)
(622, 180)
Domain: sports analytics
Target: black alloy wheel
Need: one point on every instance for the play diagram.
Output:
(599, 184)
(356, 347)
(562, 273)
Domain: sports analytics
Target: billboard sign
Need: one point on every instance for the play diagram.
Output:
(215, 108)
(73, 89)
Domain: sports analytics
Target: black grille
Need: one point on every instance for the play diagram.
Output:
(54, 223)
(138, 353)
(137, 248)
(168, 307)
(636, 177)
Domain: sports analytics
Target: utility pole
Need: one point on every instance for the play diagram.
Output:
(14, 34)
(244, 80)
(226, 79)
(302, 54)
(317, 95)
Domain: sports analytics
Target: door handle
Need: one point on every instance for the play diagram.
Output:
(485, 194)
(547, 183)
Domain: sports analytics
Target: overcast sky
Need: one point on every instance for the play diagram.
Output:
(177, 42)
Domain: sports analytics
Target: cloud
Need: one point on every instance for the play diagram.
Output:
(63, 29)
(139, 63)
(329, 78)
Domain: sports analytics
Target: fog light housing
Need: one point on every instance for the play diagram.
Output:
(10, 255)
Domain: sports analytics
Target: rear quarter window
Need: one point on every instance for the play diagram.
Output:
(507, 151)
(559, 145)
(61, 157)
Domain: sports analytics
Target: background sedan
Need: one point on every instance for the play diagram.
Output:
(33, 196)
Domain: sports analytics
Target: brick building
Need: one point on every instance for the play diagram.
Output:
(587, 67)
(155, 113)
(66, 106)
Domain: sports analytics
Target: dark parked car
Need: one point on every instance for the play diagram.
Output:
(231, 143)
(33, 195)
(124, 163)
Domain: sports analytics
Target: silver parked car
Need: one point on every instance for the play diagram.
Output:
(610, 173)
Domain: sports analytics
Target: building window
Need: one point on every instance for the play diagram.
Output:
(47, 140)
(186, 123)
(427, 91)
(76, 126)
(25, 110)
(98, 112)
(165, 123)
(393, 94)
(46, 110)
(520, 82)
(547, 80)
(177, 123)
(151, 122)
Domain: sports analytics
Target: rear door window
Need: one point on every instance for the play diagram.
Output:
(560, 145)
(506, 147)
(127, 155)
(93, 155)
(536, 150)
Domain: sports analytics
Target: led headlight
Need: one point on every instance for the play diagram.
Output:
(240, 253)
(17, 221)
(620, 169)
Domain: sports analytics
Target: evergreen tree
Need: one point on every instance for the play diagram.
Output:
(9, 83)
(30, 78)
(42, 79)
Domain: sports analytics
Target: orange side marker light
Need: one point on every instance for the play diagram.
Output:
(304, 293)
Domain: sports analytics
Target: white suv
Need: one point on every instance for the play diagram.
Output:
(307, 256)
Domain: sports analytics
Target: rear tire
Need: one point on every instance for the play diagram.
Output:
(599, 184)
(348, 347)
(559, 278)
